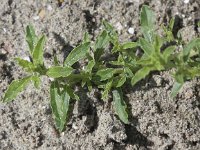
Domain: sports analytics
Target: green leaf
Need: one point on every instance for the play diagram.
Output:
(15, 88)
(90, 66)
(55, 60)
(105, 74)
(101, 42)
(77, 54)
(147, 17)
(107, 89)
(86, 38)
(31, 38)
(128, 72)
(194, 72)
(147, 20)
(28, 66)
(168, 30)
(119, 62)
(179, 76)
(176, 88)
(58, 71)
(111, 31)
(146, 46)
(113, 36)
(59, 105)
(38, 51)
(36, 80)
(120, 105)
(191, 45)
(116, 47)
(89, 85)
(171, 24)
(71, 93)
(167, 52)
(121, 81)
(157, 44)
(140, 74)
(129, 45)
(144, 61)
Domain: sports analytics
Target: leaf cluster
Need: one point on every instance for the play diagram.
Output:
(109, 65)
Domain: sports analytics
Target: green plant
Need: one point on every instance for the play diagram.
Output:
(108, 74)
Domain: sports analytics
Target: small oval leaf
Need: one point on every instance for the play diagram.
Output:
(176, 88)
(120, 105)
(191, 45)
(77, 54)
(121, 81)
(36, 80)
(147, 20)
(146, 46)
(107, 89)
(31, 37)
(128, 45)
(58, 71)
(167, 52)
(101, 42)
(140, 74)
(38, 51)
(105, 74)
(28, 66)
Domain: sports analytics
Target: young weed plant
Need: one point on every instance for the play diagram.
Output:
(108, 74)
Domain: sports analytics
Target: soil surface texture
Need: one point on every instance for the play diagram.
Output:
(158, 122)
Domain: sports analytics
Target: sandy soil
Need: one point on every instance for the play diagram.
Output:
(157, 121)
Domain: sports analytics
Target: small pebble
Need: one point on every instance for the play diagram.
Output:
(190, 18)
(4, 29)
(49, 8)
(62, 134)
(74, 126)
(186, 1)
(3, 51)
(41, 13)
(118, 26)
(51, 79)
(198, 29)
(27, 58)
(36, 17)
(131, 30)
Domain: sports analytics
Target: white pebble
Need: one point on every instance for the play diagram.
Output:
(4, 29)
(118, 26)
(27, 58)
(63, 133)
(51, 79)
(131, 30)
(186, 1)
(49, 8)
(36, 18)
(3, 51)
(74, 126)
